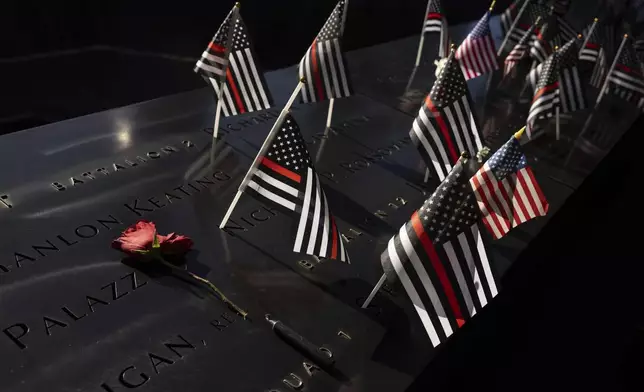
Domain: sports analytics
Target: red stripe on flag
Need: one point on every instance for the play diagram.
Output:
(545, 90)
(334, 246)
(444, 129)
(233, 87)
(516, 194)
(438, 267)
(504, 199)
(281, 170)
(527, 172)
(626, 69)
(491, 218)
(592, 46)
(496, 198)
(216, 48)
(434, 15)
(316, 71)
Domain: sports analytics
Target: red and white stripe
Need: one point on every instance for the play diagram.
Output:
(510, 202)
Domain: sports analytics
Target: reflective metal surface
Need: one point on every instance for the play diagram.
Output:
(75, 317)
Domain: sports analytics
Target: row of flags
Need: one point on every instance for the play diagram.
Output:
(438, 255)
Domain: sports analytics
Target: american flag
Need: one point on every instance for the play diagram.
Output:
(546, 96)
(533, 12)
(214, 60)
(245, 89)
(440, 259)
(520, 50)
(323, 65)
(477, 54)
(506, 190)
(594, 55)
(508, 16)
(435, 23)
(626, 80)
(445, 125)
(287, 179)
(572, 90)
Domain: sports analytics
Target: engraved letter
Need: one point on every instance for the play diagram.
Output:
(144, 377)
(135, 208)
(174, 346)
(24, 329)
(58, 186)
(293, 381)
(50, 322)
(159, 361)
(115, 291)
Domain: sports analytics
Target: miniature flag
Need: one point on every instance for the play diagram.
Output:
(520, 50)
(445, 125)
(626, 80)
(214, 60)
(287, 179)
(593, 55)
(323, 65)
(477, 54)
(506, 190)
(571, 89)
(508, 16)
(245, 89)
(440, 259)
(546, 97)
(436, 23)
(572, 93)
(530, 15)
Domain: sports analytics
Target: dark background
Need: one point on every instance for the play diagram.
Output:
(64, 59)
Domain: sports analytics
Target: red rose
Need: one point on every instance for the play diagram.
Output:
(139, 239)
(174, 244)
(136, 239)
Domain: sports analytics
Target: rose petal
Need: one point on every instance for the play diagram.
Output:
(175, 244)
(138, 237)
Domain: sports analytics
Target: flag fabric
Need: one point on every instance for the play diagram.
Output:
(506, 190)
(440, 259)
(509, 15)
(245, 88)
(287, 179)
(593, 55)
(445, 125)
(533, 12)
(477, 54)
(520, 50)
(436, 23)
(323, 66)
(626, 80)
(546, 96)
(572, 90)
(214, 60)
(561, 6)
(551, 34)
(566, 31)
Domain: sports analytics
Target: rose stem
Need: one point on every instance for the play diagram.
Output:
(214, 288)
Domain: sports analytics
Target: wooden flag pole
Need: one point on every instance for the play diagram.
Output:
(375, 290)
(215, 129)
(590, 31)
(422, 37)
(262, 150)
(514, 25)
(330, 114)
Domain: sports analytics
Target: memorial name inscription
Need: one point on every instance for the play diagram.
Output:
(173, 350)
(67, 317)
(133, 209)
